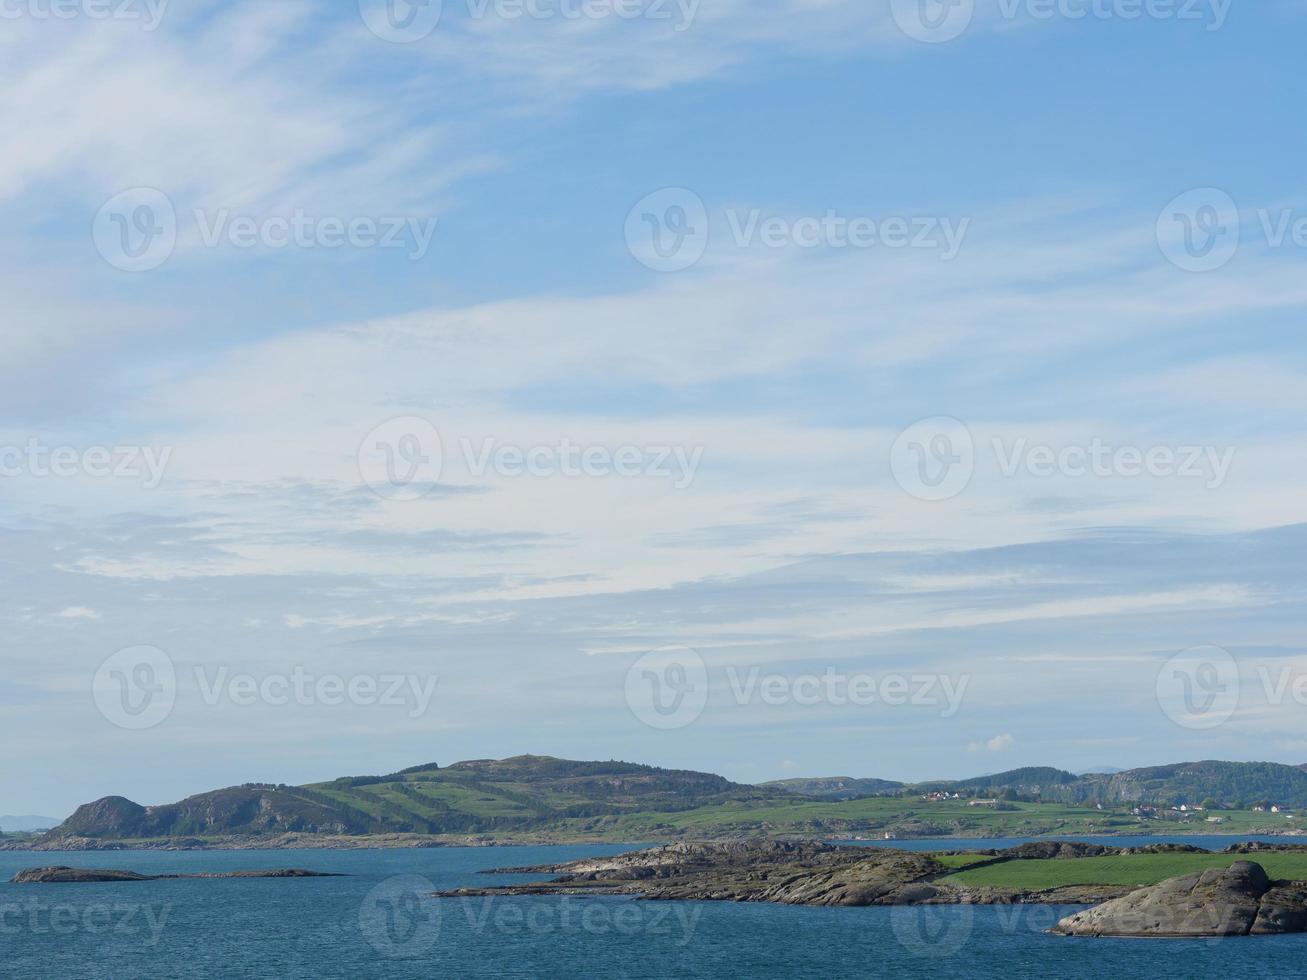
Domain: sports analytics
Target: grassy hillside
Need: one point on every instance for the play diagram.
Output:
(565, 800)
(521, 794)
(837, 787)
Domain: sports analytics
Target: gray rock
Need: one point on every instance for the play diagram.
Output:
(61, 875)
(1236, 901)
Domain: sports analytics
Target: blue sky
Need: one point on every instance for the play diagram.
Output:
(768, 393)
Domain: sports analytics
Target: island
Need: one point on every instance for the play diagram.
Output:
(544, 800)
(1134, 891)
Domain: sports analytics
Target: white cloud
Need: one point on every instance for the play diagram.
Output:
(999, 743)
(78, 612)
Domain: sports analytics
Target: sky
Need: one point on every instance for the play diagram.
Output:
(768, 387)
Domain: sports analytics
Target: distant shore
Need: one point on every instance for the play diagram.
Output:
(291, 842)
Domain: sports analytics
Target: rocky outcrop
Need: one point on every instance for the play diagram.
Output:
(64, 876)
(787, 872)
(1236, 901)
(61, 875)
(1256, 846)
(790, 873)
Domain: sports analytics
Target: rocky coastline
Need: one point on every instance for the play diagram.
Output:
(1240, 900)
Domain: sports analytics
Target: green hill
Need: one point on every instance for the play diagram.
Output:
(837, 787)
(562, 799)
(520, 794)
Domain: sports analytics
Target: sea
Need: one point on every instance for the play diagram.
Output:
(380, 920)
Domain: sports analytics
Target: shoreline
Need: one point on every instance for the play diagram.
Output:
(333, 842)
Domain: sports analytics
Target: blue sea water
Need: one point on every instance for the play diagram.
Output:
(380, 922)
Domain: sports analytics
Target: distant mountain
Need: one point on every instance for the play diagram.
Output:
(519, 794)
(1034, 780)
(837, 787)
(1228, 783)
(26, 824)
(539, 794)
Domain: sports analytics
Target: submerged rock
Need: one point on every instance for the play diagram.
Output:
(1239, 900)
(62, 875)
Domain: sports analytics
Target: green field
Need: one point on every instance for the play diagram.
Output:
(909, 817)
(961, 860)
(1133, 869)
